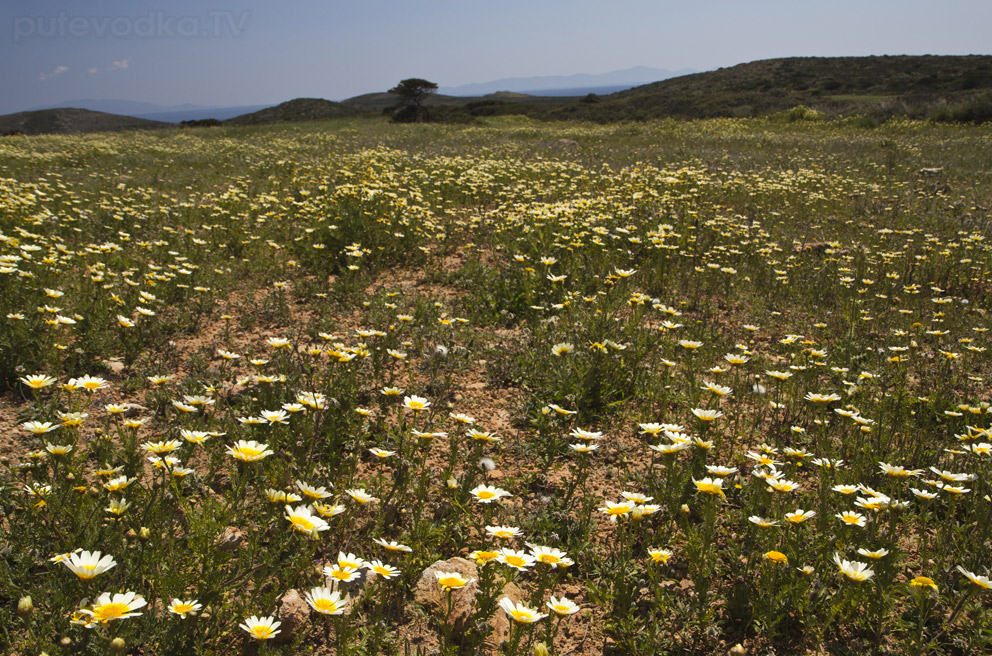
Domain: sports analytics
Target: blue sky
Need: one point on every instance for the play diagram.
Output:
(217, 52)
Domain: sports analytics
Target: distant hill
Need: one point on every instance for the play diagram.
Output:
(300, 109)
(219, 113)
(834, 84)
(899, 74)
(565, 85)
(117, 106)
(73, 121)
(379, 102)
(154, 112)
(944, 88)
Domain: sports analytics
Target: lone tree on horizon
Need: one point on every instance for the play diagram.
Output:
(412, 93)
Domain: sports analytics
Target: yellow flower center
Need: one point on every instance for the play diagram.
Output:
(302, 524)
(451, 582)
(261, 632)
(325, 606)
(109, 612)
(486, 494)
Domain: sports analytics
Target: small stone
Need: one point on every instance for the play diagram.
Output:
(230, 540)
(133, 410)
(294, 613)
(429, 594)
(116, 367)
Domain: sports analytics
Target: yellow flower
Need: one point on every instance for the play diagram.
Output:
(777, 557)
(392, 545)
(184, 608)
(383, 570)
(710, 486)
(89, 383)
(326, 601)
(38, 381)
(822, 398)
(302, 519)
(482, 557)
(520, 613)
(660, 555)
(615, 510)
(451, 580)
(562, 606)
(852, 518)
(360, 496)
(488, 493)
(416, 403)
(39, 427)
(707, 415)
(980, 581)
(799, 516)
(119, 483)
(87, 565)
(854, 570)
(503, 532)
(118, 607)
(249, 450)
(261, 628)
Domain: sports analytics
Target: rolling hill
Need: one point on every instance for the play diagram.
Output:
(73, 121)
(955, 88)
(299, 109)
(897, 84)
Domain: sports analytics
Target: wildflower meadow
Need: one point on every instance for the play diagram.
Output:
(512, 387)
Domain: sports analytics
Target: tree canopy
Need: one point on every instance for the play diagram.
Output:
(412, 93)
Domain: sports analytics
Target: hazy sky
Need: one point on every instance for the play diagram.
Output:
(217, 52)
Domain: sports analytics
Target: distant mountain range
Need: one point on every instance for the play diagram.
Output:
(568, 85)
